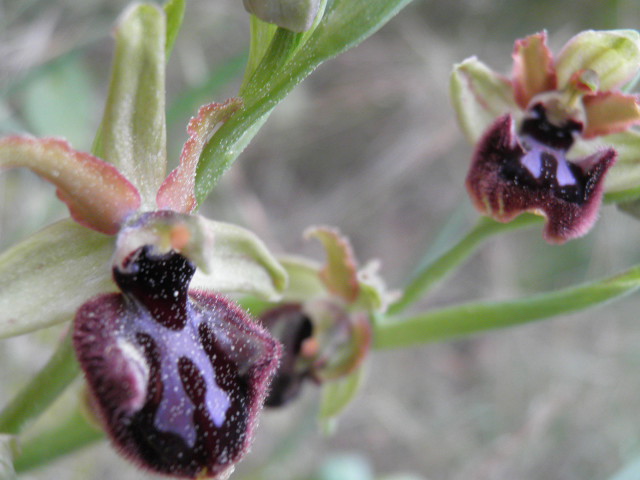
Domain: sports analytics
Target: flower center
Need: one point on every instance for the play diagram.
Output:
(543, 164)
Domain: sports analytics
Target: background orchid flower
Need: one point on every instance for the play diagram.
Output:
(534, 131)
(324, 323)
(176, 372)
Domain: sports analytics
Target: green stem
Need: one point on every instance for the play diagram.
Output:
(440, 267)
(475, 317)
(42, 390)
(71, 435)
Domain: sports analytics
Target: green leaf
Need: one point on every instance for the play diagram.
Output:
(345, 24)
(132, 134)
(470, 318)
(338, 394)
(174, 10)
(241, 263)
(45, 278)
(7, 471)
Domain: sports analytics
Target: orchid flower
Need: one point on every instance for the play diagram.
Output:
(324, 323)
(546, 137)
(176, 372)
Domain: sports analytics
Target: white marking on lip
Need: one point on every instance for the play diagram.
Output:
(531, 161)
(564, 175)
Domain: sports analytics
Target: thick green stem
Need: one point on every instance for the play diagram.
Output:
(476, 317)
(42, 390)
(443, 265)
(72, 434)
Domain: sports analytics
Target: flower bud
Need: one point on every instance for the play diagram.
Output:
(614, 56)
(295, 15)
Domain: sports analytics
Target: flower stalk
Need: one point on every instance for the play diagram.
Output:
(439, 268)
(466, 319)
(42, 390)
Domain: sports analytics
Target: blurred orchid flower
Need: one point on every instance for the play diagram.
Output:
(176, 372)
(324, 323)
(546, 138)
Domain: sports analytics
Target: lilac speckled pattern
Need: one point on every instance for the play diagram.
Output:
(528, 171)
(178, 377)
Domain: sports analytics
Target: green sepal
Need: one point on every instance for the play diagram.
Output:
(304, 279)
(45, 278)
(345, 24)
(240, 263)
(625, 174)
(174, 10)
(132, 134)
(338, 394)
(479, 95)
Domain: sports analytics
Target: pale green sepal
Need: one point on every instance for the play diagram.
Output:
(479, 96)
(344, 24)
(132, 134)
(613, 54)
(241, 263)
(174, 10)
(7, 446)
(625, 174)
(45, 278)
(294, 15)
(304, 279)
(338, 394)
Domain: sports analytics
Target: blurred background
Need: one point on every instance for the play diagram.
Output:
(369, 144)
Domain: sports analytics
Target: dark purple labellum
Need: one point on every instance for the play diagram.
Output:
(529, 172)
(177, 377)
(291, 326)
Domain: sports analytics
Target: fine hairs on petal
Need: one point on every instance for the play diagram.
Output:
(178, 377)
